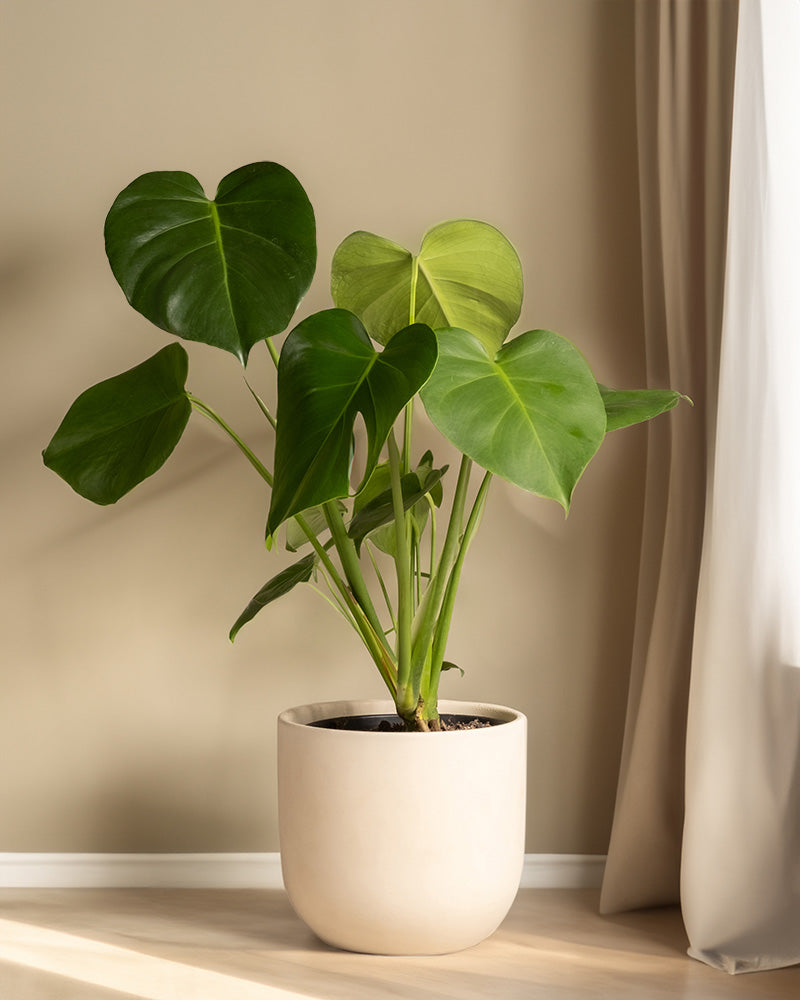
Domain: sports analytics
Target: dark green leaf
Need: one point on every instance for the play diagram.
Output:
(380, 511)
(531, 414)
(447, 665)
(122, 430)
(227, 272)
(467, 275)
(329, 372)
(286, 580)
(625, 407)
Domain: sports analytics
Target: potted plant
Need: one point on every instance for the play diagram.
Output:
(433, 861)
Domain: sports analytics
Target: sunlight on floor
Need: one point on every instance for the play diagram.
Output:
(119, 969)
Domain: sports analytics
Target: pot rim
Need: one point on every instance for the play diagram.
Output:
(302, 715)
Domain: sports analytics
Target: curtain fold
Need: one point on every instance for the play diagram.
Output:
(740, 888)
(684, 84)
(708, 804)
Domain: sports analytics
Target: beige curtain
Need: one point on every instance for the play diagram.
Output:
(715, 686)
(684, 78)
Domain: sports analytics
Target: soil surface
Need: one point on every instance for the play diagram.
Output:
(392, 724)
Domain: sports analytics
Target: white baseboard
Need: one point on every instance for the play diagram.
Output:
(562, 871)
(233, 871)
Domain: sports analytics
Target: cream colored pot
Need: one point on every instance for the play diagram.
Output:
(401, 843)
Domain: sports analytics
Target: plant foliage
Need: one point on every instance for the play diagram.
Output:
(434, 325)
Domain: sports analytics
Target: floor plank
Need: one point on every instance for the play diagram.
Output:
(66, 944)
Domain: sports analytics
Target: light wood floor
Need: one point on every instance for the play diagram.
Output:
(248, 945)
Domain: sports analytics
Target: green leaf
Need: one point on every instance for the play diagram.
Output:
(122, 430)
(384, 536)
(531, 414)
(286, 580)
(447, 665)
(296, 538)
(625, 407)
(379, 510)
(329, 372)
(467, 275)
(227, 272)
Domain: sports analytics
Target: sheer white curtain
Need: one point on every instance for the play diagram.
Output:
(740, 870)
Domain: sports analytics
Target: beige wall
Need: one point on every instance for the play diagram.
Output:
(127, 720)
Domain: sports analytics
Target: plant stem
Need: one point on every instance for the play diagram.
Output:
(407, 697)
(409, 411)
(273, 353)
(350, 564)
(207, 411)
(428, 611)
(382, 584)
(446, 615)
(432, 516)
(262, 406)
(375, 641)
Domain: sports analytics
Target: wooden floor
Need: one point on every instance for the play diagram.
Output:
(248, 945)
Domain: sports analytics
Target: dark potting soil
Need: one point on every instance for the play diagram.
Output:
(391, 723)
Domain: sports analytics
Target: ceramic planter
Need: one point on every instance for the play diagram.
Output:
(401, 843)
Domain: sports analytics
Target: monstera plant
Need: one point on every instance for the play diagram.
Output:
(432, 324)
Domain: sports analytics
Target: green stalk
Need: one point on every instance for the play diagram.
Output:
(207, 411)
(374, 641)
(409, 411)
(412, 302)
(407, 421)
(262, 406)
(272, 351)
(445, 618)
(428, 611)
(382, 585)
(406, 696)
(373, 637)
(350, 564)
(432, 517)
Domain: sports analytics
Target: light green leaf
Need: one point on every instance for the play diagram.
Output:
(296, 538)
(625, 407)
(329, 373)
(467, 274)
(123, 429)
(227, 272)
(286, 580)
(532, 413)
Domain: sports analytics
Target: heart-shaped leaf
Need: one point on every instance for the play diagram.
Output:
(532, 414)
(625, 407)
(286, 580)
(467, 274)
(329, 372)
(122, 430)
(227, 272)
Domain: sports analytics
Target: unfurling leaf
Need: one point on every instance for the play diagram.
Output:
(625, 407)
(380, 510)
(447, 665)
